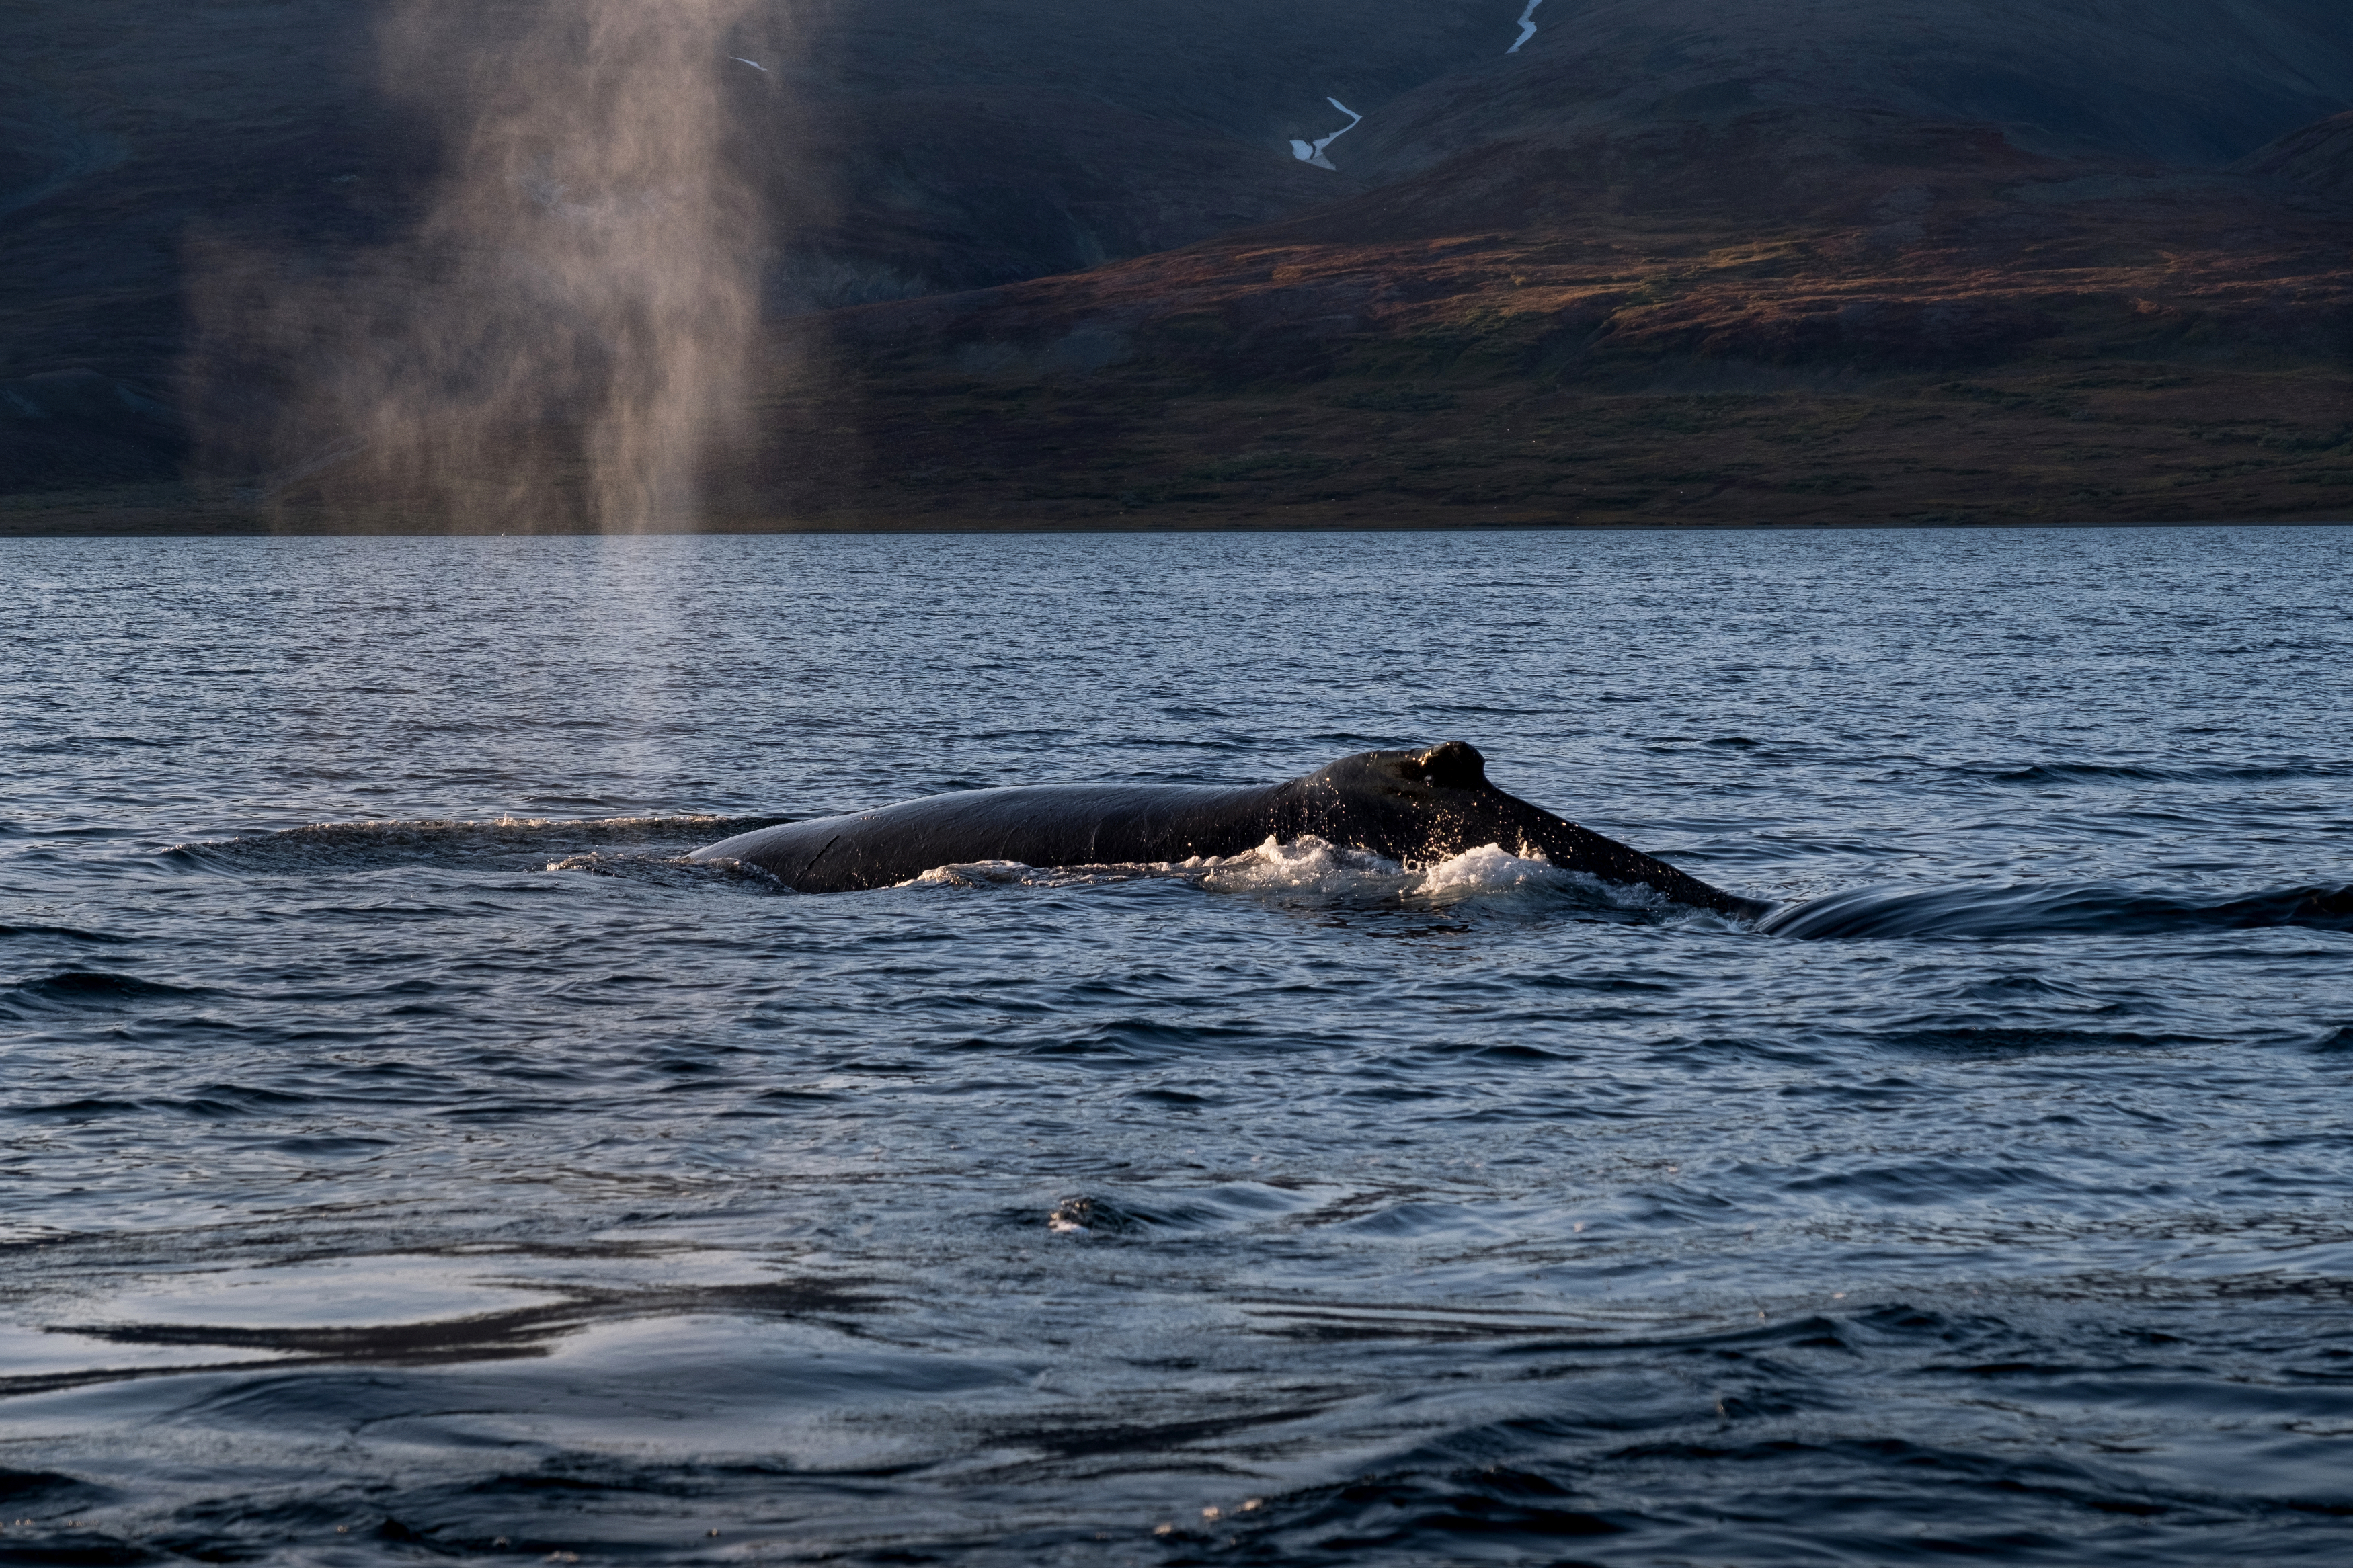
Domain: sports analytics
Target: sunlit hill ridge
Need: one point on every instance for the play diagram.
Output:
(1681, 263)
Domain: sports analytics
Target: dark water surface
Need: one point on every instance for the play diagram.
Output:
(470, 1177)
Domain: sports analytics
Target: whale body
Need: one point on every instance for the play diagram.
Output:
(1416, 806)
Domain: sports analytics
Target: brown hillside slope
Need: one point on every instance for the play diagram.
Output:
(1785, 319)
(1677, 261)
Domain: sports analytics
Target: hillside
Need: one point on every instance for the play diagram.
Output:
(1045, 264)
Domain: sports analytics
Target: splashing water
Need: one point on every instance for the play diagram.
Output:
(1308, 866)
(562, 339)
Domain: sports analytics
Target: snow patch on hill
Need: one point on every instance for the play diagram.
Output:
(1312, 151)
(1527, 26)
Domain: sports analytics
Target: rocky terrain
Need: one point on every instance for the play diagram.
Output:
(1033, 263)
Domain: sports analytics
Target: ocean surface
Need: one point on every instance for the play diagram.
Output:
(406, 1155)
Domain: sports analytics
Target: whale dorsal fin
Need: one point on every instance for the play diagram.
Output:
(1452, 765)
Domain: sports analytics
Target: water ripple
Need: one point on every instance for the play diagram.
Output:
(408, 1151)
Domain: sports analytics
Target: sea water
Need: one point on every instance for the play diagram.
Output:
(405, 1153)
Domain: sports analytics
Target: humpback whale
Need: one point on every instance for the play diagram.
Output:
(1406, 805)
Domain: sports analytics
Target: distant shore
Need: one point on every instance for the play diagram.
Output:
(142, 522)
(2039, 444)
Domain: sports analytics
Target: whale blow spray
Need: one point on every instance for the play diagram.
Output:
(561, 340)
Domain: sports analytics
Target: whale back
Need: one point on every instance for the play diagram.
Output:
(1415, 807)
(1035, 824)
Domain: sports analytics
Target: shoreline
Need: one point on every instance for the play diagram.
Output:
(243, 528)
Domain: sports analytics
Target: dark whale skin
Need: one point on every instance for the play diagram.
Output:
(1409, 806)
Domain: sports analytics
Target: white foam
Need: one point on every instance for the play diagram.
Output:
(1303, 865)
(1313, 866)
(1488, 869)
(973, 873)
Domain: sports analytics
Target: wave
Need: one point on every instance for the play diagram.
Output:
(2040, 911)
(2155, 772)
(63, 934)
(663, 870)
(515, 842)
(1229, 1206)
(85, 991)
